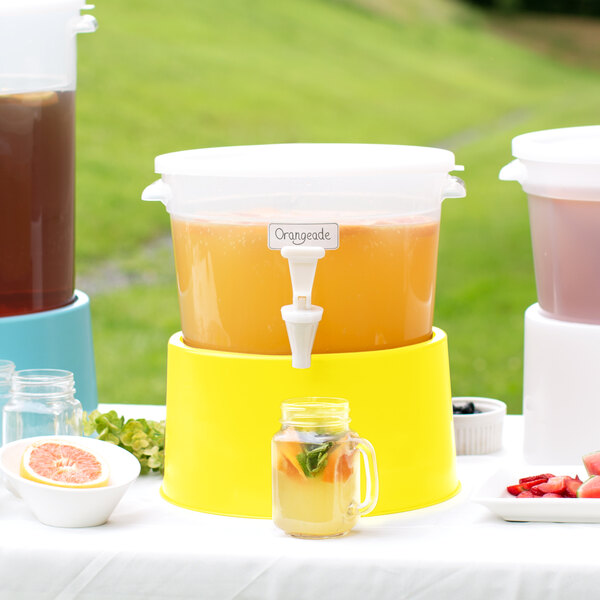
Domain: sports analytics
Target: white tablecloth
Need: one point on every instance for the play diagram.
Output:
(151, 549)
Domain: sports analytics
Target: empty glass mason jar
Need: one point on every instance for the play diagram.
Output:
(42, 403)
(7, 368)
(316, 469)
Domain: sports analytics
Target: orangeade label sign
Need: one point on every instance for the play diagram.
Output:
(325, 235)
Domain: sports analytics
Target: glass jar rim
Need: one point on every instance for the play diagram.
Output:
(315, 411)
(49, 384)
(44, 376)
(7, 368)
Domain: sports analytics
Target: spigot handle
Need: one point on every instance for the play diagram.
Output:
(303, 265)
(301, 318)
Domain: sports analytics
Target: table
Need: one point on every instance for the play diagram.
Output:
(153, 550)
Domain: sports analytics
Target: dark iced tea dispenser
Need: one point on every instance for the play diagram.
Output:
(37, 152)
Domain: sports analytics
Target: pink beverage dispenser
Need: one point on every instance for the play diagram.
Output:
(44, 321)
(559, 170)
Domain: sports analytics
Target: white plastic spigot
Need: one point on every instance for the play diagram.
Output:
(302, 318)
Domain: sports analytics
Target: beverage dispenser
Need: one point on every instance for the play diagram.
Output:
(305, 270)
(44, 321)
(559, 170)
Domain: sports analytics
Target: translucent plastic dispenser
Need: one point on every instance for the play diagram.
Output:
(305, 270)
(44, 321)
(559, 170)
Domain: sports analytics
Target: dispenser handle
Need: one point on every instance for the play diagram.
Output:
(157, 191)
(454, 188)
(513, 171)
(85, 23)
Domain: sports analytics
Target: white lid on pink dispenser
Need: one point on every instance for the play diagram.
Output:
(557, 163)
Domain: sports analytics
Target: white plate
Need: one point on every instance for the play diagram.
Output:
(494, 496)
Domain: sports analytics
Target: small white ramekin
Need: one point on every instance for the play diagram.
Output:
(479, 433)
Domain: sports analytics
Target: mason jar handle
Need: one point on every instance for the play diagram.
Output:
(371, 476)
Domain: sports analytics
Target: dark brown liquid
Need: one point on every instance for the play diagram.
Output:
(37, 161)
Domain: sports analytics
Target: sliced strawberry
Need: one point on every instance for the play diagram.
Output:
(554, 485)
(536, 491)
(527, 485)
(515, 490)
(572, 485)
(526, 494)
(551, 495)
(544, 476)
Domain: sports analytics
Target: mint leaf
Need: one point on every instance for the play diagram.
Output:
(313, 461)
(301, 458)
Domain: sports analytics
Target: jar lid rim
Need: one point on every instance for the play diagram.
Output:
(43, 375)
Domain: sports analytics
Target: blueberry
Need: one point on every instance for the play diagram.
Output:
(465, 408)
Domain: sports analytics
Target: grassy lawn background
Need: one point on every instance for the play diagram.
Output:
(225, 72)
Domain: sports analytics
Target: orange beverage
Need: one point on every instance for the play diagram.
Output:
(377, 289)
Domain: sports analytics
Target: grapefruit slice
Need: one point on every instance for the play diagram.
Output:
(64, 464)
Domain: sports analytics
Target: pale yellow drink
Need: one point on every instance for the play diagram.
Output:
(325, 505)
(316, 469)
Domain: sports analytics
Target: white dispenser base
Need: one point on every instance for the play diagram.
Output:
(561, 389)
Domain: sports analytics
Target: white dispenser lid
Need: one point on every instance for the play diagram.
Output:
(38, 50)
(557, 163)
(352, 182)
(25, 6)
(305, 160)
(568, 146)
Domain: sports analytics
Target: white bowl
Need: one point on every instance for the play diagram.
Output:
(66, 507)
(479, 433)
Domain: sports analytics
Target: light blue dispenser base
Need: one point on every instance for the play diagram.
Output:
(55, 339)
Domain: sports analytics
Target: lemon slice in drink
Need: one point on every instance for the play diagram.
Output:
(64, 464)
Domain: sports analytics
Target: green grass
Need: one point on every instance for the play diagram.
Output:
(222, 72)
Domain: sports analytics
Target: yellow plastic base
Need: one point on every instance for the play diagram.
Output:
(223, 409)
